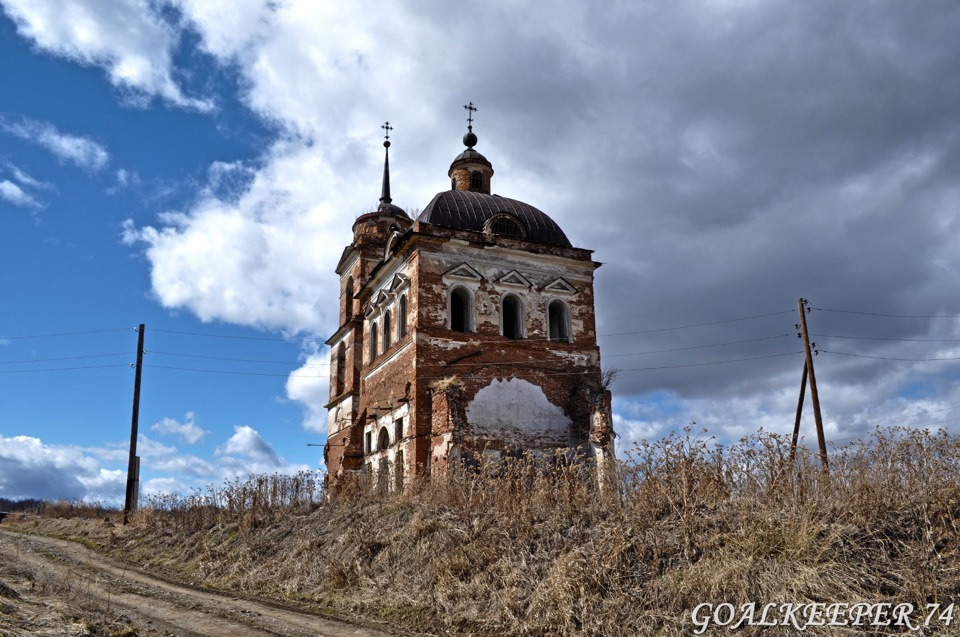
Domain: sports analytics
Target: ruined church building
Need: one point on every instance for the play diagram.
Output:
(465, 333)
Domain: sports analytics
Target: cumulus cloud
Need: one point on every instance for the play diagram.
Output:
(82, 151)
(261, 258)
(12, 193)
(309, 385)
(31, 469)
(188, 431)
(720, 166)
(247, 442)
(130, 40)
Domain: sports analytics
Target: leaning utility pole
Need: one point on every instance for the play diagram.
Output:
(808, 373)
(133, 467)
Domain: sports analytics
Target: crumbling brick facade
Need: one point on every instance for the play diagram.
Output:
(467, 332)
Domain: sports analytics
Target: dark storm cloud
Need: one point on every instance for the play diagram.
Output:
(724, 159)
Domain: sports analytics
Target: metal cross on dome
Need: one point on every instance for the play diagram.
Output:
(471, 109)
(387, 127)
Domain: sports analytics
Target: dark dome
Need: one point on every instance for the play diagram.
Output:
(390, 209)
(471, 155)
(468, 210)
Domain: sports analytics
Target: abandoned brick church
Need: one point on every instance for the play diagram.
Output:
(467, 332)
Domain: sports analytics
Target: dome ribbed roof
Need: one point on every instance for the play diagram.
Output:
(471, 155)
(468, 210)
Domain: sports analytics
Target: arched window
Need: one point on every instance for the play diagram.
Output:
(386, 330)
(453, 183)
(476, 180)
(341, 369)
(461, 307)
(512, 315)
(383, 439)
(348, 294)
(373, 341)
(559, 321)
(402, 317)
(505, 226)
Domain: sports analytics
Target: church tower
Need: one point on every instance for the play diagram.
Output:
(468, 332)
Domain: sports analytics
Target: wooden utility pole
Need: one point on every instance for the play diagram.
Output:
(133, 467)
(796, 422)
(808, 373)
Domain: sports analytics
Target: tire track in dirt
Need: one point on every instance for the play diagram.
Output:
(174, 608)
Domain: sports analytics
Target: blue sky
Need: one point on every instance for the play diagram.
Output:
(196, 166)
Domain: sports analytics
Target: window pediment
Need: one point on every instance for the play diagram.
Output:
(560, 286)
(398, 282)
(463, 272)
(514, 279)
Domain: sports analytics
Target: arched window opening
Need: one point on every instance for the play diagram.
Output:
(348, 294)
(383, 439)
(402, 317)
(341, 369)
(386, 330)
(506, 227)
(373, 341)
(476, 180)
(391, 243)
(460, 310)
(512, 317)
(559, 321)
(453, 183)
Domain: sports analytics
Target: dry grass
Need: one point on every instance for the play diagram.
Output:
(534, 548)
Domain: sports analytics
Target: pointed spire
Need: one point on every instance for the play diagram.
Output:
(385, 191)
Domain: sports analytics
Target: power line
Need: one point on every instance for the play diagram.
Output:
(683, 327)
(682, 349)
(224, 371)
(890, 358)
(18, 338)
(63, 358)
(474, 376)
(883, 338)
(239, 360)
(633, 369)
(60, 369)
(645, 331)
(233, 336)
(660, 351)
(823, 309)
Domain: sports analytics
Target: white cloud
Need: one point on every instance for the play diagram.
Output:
(827, 186)
(188, 431)
(310, 386)
(31, 469)
(28, 180)
(247, 442)
(12, 193)
(129, 39)
(262, 257)
(82, 151)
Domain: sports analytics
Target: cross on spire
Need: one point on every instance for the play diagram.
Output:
(471, 109)
(387, 128)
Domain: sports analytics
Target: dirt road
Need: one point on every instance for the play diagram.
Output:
(54, 587)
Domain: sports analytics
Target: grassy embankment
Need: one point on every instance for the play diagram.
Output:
(520, 551)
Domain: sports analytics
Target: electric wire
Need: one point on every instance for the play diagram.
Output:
(237, 360)
(824, 309)
(890, 358)
(18, 338)
(233, 336)
(60, 369)
(884, 338)
(64, 358)
(475, 376)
